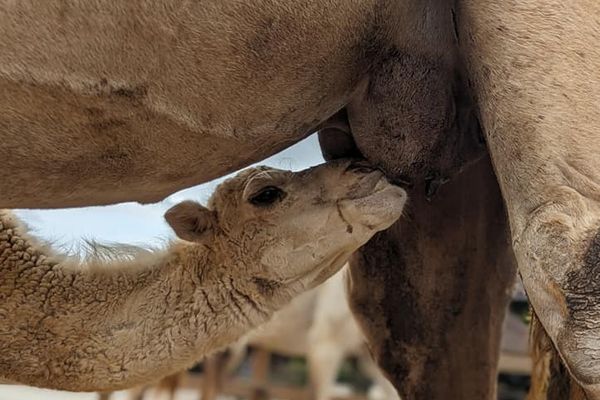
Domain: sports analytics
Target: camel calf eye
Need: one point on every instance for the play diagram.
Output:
(267, 196)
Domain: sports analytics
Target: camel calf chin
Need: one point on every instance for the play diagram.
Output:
(266, 236)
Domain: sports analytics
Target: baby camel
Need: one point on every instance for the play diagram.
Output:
(266, 236)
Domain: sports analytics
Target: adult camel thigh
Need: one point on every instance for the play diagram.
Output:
(534, 69)
(430, 293)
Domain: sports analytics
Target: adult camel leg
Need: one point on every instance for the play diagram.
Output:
(415, 119)
(430, 293)
(536, 78)
(550, 380)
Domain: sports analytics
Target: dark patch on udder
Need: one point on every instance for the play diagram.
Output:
(335, 137)
(109, 123)
(582, 288)
(260, 41)
(266, 287)
(134, 94)
(94, 112)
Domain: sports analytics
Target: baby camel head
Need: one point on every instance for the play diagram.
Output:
(287, 227)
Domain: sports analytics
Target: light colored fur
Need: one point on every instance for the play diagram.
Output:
(534, 71)
(104, 102)
(130, 101)
(122, 102)
(103, 325)
(318, 325)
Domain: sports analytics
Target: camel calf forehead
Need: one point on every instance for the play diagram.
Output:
(231, 190)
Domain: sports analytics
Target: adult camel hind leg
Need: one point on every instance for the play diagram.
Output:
(432, 304)
(534, 69)
(550, 380)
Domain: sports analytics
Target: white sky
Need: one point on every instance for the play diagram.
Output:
(144, 224)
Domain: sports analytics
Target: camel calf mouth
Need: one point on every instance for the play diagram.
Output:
(368, 185)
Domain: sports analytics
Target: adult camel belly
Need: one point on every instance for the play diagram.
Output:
(104, 102)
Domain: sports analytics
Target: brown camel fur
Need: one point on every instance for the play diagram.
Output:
(106, 102)
(446, 346)
(267, 236)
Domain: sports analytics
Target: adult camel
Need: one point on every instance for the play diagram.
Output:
(105, 102)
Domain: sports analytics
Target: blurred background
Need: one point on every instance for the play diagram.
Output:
(310, 350)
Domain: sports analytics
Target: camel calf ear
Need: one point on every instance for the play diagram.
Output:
(190, 221)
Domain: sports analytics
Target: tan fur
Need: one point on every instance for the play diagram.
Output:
(535, 76)
(106, 325)
(104, 102)
(132, 102)
(318, 325)
(129, 101)
(541, 349)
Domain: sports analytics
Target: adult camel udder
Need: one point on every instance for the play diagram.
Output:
(266, 236)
